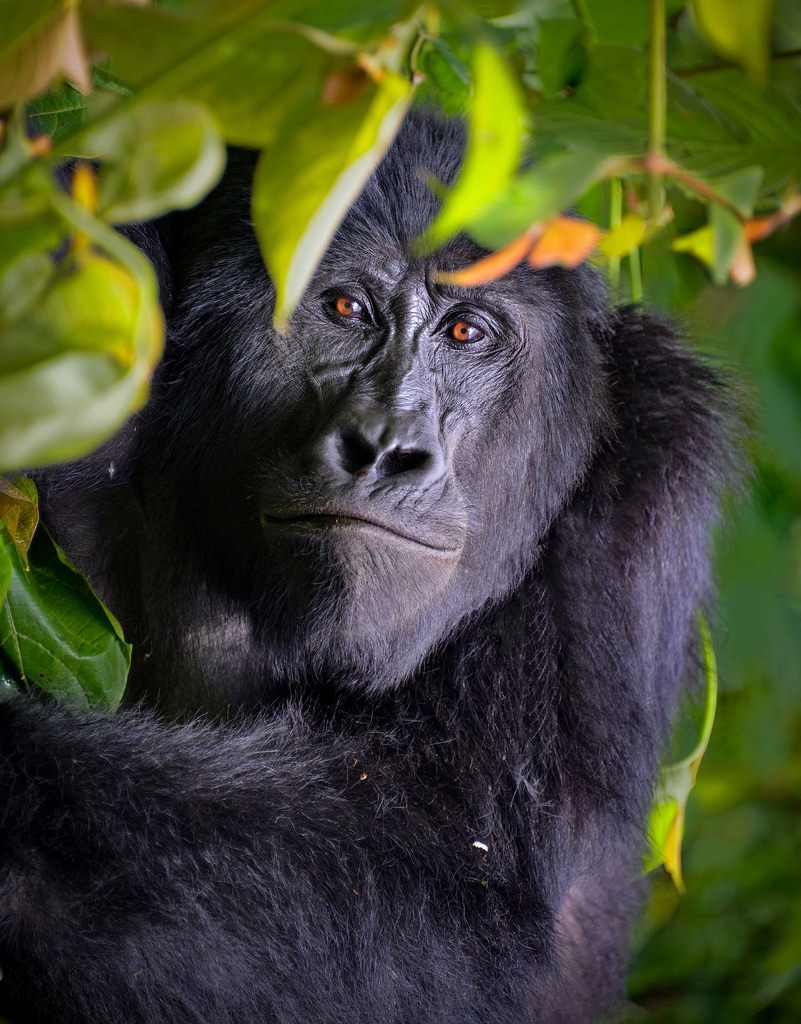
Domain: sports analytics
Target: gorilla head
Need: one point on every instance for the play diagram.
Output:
(361, 484)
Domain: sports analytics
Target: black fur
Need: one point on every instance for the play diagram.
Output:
(420, 792)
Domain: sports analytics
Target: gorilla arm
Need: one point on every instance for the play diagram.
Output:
(236, 874)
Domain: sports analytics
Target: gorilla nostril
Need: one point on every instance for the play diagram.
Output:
(355, 454)
(401, 460)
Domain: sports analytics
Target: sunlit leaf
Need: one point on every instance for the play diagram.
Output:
(72, 368)
(565, 242)
(700, 243)
(539, 193)
(493, 145)
(620, 240)
(303, 189)
(156, 157)
(738, 30)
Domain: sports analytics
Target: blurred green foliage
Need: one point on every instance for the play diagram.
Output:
(730, 949)
(674, 125)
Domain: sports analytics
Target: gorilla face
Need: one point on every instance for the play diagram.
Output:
(388, 466)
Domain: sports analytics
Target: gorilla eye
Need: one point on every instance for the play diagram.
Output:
(465, 332)
(347, 306)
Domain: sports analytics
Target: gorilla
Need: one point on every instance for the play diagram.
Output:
(413, 591)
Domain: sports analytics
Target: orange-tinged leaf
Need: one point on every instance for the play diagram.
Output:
(19, 513)
(54, 46)
(760, 227)
(343, 85)
(490, 268)
(566, 242)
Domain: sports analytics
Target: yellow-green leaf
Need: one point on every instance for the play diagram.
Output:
(496, 121)
(738, 30)
(305, 184)
(621, 240)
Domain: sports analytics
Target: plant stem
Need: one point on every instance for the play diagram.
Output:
(635, 274)
(657, 104)
(615, 217)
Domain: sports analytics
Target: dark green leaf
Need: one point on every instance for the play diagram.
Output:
(560, 54)
(56, 635)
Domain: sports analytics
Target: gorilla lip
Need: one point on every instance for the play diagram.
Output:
(329, 520)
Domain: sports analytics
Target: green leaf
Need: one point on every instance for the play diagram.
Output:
(627, 235)
(545, 190)
(76, 361)
(303, 189)
(156, 157)
(738, 29)
(5, 572)
(560, 53)
(493, 145)
(251, 63)
(56, 635)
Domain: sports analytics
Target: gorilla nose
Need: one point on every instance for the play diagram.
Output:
(380, 445)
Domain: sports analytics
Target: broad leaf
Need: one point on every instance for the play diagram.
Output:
(157, 157)
(738, 30)
(72, 368)
(55, 634)
(306, 183)
(493, 145)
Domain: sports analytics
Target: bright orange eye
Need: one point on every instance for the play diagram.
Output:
(346, 306)
(463, 331)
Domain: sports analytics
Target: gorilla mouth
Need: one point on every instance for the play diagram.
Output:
(332, 520)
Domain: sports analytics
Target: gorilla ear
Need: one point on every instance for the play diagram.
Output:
(629, 560)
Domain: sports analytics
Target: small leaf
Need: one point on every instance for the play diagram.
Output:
(742, 270)
(56, 635)
(19, 513)
(565, 242)
(303, 189)
(495, 126)
(738, 30)
(621, 240)
(666, 822)
(698, 243)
